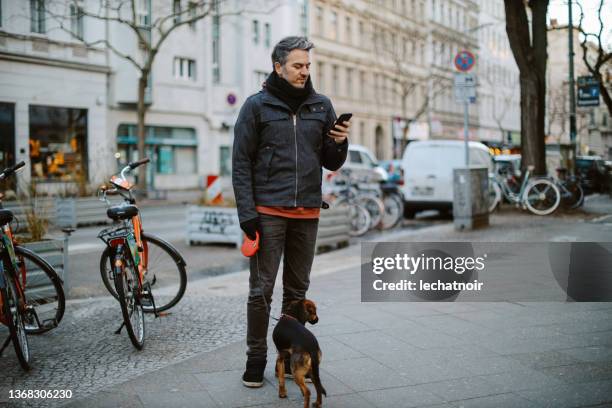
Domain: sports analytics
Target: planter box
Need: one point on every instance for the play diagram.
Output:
(76, 212)
(334, 227)
(43, 207)
(52, 251)
(213, 224)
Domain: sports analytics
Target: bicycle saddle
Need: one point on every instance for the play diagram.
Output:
(122, 212)
(6, 216)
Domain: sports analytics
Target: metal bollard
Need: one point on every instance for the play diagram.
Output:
(67, 232)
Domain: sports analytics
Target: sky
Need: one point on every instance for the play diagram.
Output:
(558, 9)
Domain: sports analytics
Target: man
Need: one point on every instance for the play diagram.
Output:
(282, 137)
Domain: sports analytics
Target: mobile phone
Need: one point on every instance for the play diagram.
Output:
(345, 117)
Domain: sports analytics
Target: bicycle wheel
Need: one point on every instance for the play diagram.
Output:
(126, 284)
(394, 210)
(494, 195)
(359, 217)
(541, 197)
(374, 206)
(166, 273)
(14, 320)
(574, 195)
(44, 295)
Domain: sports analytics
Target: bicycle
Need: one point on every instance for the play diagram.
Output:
(393, 203)
(30, 303)
(539, 195)
(134, 261)
(572, 195)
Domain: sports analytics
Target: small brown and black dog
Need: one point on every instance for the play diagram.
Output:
(296, 343)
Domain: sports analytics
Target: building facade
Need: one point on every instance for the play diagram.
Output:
(593, 128)
(498, 78)
(53, 99)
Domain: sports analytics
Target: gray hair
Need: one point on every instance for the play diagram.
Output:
(288, 44)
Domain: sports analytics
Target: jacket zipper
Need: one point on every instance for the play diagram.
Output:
(296, 158)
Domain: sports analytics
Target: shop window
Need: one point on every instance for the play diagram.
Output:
(58, 143)
(172, 150)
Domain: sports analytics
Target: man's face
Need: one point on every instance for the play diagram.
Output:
(297, 68)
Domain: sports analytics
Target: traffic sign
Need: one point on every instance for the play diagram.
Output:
(464, 61)
(588, 91)
(465, 88)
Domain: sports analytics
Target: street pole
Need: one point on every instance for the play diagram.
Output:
(466, 131)
(572, 88)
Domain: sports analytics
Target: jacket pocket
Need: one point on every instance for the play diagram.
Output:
(275, 125)
(266, 160)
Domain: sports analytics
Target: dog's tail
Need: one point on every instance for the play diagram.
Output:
(316, 380)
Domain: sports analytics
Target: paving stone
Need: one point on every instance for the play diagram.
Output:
(412, 396)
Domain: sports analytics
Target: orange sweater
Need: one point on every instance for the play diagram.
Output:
(290, 212)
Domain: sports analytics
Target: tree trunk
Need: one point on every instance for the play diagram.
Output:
(142, 110)
(531, 57)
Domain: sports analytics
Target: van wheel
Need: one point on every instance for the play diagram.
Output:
(409, 213)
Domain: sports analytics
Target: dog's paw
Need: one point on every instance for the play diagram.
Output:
(282, 394)
(316, 405)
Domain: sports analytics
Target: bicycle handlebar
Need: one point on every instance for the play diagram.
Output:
(10, 170)
(135, 164)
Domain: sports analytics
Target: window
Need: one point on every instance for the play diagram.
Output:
(216, 39)
(362, 36)
(320, 76)
(76, 20)
(255, 32)
(361, 135)
(259, 77)
(268, 35)
(333, 25)
(362, 85)
(174, 150)
(193, 12)
(319, 20)
(348, 30)
(335, 80)
(184, 68)
(354, 157)
(37, 16)
(58, 143)
(349, 82)
(176, 10)
(225, 161)
(304, 18)
(143, 13)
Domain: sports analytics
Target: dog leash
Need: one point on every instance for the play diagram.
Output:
(263, 296)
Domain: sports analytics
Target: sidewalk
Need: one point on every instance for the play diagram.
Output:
(413, 354)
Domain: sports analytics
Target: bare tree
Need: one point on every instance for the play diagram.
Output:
(602, 58)
(528, 43)
(150, 30)
(400, 54)
(499, 110)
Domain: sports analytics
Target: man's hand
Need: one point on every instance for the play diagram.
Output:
(250, 227)
(340, 132)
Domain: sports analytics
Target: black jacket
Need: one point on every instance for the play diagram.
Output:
(277, 156)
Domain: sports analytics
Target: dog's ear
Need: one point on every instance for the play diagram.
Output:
(298, 310)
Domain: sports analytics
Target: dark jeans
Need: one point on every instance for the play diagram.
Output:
(296, 238)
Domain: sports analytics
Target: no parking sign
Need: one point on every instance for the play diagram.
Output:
(464, 61)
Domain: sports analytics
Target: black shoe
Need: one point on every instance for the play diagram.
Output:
(288, 373)
(254, 374)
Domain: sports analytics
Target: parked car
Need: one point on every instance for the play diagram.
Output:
(428, 172)
(394, 169)
(362, 164)
(593, 174)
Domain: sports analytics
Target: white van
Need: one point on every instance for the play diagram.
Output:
(428, 172)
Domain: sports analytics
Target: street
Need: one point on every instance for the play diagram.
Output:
(531, 348)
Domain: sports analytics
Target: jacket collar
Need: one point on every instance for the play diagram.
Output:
(270, 99)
